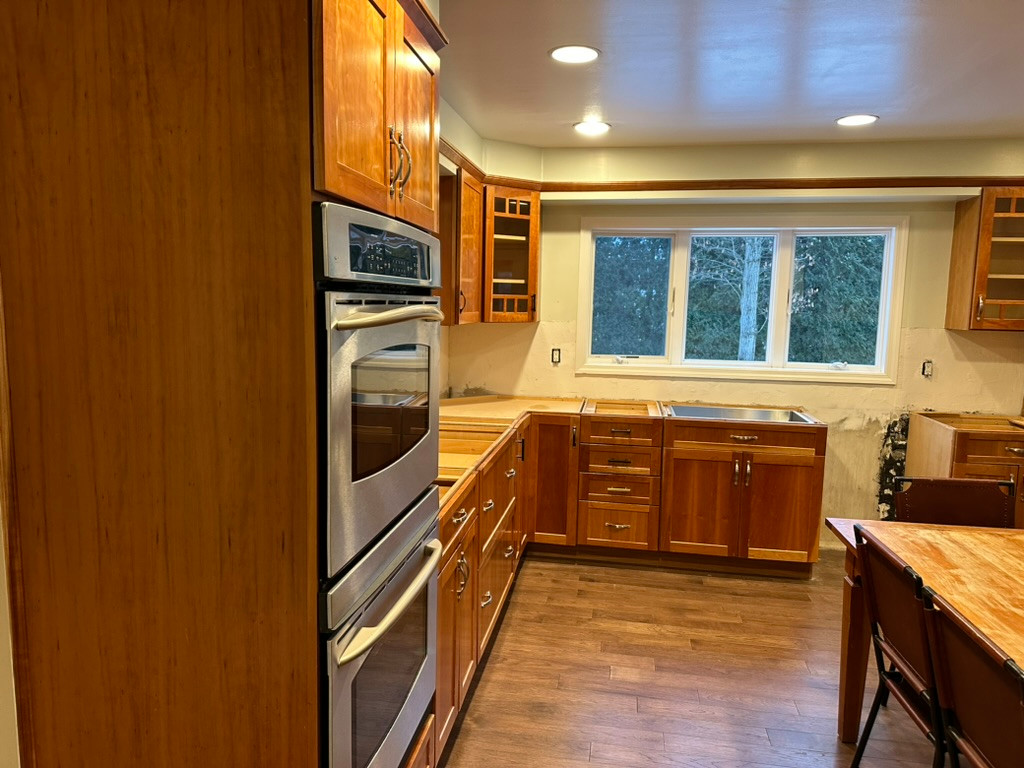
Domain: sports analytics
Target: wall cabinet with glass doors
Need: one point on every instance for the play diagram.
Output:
(512, 242)
(986, 271)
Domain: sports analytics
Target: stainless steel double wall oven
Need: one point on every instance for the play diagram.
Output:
(378, 354)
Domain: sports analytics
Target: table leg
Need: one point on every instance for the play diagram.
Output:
(853, 655)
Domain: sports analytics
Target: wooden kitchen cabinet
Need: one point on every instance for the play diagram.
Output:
(462, 248)
(423, 753)
(968, 445)
(746, 490)
(986, 270)
(552, 469)
(376, 109)
(512, 248)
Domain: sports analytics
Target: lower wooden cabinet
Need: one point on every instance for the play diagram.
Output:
(552, 468)
(423, 754)
(699, 509)
(625, 526)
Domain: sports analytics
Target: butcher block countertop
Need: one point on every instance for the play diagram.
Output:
(504, 408)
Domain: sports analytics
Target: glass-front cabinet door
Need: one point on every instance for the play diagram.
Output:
(512, 238)
(999, 275)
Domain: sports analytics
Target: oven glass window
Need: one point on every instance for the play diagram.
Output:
(385, 680)
(390, 406)
(377, 252)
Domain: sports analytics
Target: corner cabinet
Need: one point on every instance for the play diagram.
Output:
(511, 262)
(986, 271)
(375, 100)
(462, 248)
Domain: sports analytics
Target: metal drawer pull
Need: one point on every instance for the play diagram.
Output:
(750, 471)
(510, 473)
(744, 438)
(736, 473)
(358, 320)
(509, 551)
(367, 637)
(488, 599)
(981, 307)
(620, 461)
(615, 431)
(488, 505)
(1015, 451)
(460, 517)
(618, 526)
(615, 489)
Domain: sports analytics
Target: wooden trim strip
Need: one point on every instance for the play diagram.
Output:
(509, 181)
(468, 166)
(425, 21)
(857, 182)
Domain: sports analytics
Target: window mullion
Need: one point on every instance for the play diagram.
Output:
(781, 299)
(677, 302)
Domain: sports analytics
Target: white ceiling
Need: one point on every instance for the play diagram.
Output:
(678, 72)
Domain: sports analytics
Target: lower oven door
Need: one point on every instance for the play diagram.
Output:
(381, 666)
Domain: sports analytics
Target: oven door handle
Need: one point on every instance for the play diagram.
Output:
(367, 637)
(358, 320)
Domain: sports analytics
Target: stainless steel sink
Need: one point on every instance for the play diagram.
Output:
(740, 414)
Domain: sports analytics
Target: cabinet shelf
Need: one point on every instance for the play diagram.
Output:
(1005, 276)
(519, 238)
(508, 281)
(1008, 239)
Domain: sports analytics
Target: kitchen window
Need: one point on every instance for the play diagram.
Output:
(809, 299)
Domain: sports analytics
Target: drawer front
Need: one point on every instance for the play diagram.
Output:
(497, 489)
(611, 430)
(745, 436)
(626, 526)
(458, 512)
(626, 460)
(617, 489)
(1008, 448)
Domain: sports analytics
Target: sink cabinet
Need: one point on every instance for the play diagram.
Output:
(739, 489)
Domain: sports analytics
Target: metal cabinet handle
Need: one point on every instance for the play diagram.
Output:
(744, 438)
(509, 551)
(359, 320)
(488, 599)
(522, 449)
(393, 178)
(462, 567)
(488, 505)
(367, 637)
(736, 472)
(463, 303)
(616, 489)
(615, 431)
(981, 307)
(1015, 451)
(460, 517)
(574, 437)
(750, 471)
(408, 170)
(620, 461)
(618, 526)
(510, 473)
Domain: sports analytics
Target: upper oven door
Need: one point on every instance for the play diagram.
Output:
(382, 415)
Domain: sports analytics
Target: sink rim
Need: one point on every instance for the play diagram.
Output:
(739, 413)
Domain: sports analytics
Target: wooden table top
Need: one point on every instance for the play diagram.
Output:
(980, 571)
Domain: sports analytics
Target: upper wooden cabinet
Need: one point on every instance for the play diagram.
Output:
(462, 247)
(376, 109)
(512, 241)
(986, 271)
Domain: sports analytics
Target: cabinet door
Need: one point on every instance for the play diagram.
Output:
(999, 271)
(353, 99)
(511, 240)
(495, 576)
(422, 754)
(781, 514)
(471, 249)
(446, 696)
(468, 609)
(416, 121)
(553, 472)
(700, 501)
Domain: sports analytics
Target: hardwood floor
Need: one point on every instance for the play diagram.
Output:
(632, 667)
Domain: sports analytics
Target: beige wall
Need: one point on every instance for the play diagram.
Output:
(8, 721)
(981, 371)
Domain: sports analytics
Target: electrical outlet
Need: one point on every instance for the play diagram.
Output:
(556, 355)
(927, 369)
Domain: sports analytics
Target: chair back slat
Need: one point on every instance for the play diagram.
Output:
(955, 501)
(979, 684)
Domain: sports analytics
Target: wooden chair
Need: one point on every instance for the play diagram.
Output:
(892, 592)
(955, 501)
(980, 689)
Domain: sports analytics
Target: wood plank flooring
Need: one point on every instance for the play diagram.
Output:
(622, 666)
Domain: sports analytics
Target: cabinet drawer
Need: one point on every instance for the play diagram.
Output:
(497, 480)
(626, 526)
(992, 447)
(625, 460)
(458, 512)
(616, 489)
(619, 430)
(745, 436)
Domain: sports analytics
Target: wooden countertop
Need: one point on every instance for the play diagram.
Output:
(977, 422)
(505, 408)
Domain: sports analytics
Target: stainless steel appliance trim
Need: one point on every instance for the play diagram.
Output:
(336, 219)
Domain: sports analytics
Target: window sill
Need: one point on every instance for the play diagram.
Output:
(641, 370)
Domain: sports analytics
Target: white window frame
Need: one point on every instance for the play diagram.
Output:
(787, 227)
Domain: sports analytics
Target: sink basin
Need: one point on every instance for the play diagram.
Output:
(740, 414)
(380, 398)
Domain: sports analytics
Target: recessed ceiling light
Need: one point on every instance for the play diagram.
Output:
(857, 120)
(575, 54)
(592, 127)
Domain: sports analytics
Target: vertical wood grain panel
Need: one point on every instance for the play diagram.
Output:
(156, 259)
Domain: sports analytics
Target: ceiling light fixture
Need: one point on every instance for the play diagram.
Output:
(592, 127)
(574, 54)
(857, 120)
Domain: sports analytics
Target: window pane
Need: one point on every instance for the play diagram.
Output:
(727, 303)
(630, 295)
(837, 286)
